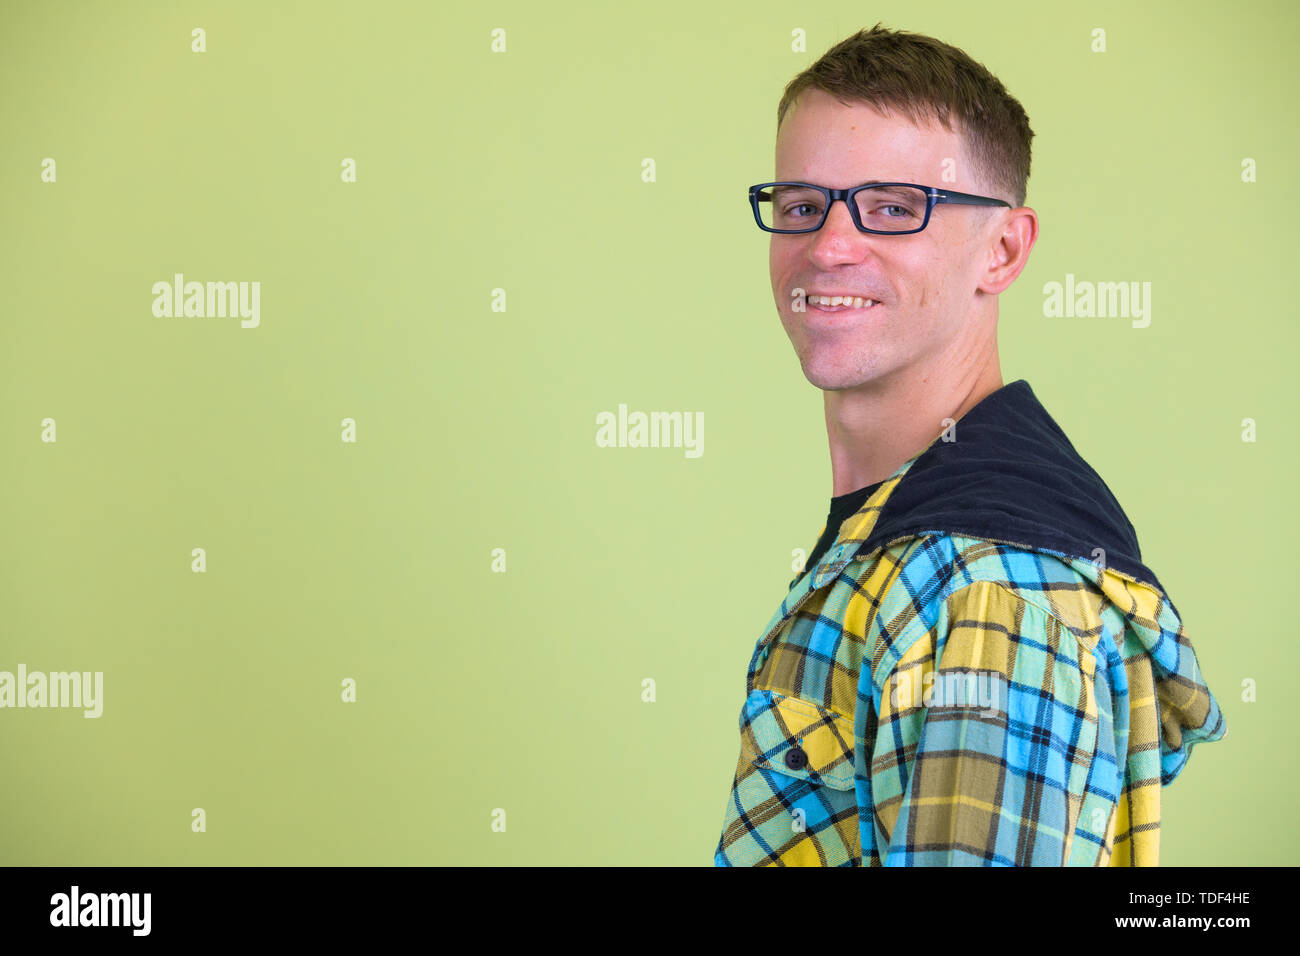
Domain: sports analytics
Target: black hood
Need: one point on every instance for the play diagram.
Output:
(1012, 475)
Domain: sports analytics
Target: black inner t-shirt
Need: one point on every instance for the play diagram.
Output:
(841, 508)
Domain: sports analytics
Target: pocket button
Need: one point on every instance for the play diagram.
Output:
(795, 758)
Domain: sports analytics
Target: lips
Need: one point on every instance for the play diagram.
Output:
(842, 308)
(834, 309)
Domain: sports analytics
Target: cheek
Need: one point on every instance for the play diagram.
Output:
(924, 281)
(776, 264)
(780, 267)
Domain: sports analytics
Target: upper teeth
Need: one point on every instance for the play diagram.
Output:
(853, 301)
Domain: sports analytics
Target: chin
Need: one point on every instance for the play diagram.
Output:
(834, 375)
(836, 380)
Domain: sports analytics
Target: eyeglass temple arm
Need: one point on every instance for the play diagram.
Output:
(966, 199)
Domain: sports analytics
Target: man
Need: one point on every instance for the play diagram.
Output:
(975, 668)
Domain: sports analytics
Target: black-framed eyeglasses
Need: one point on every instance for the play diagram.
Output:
(887, 209)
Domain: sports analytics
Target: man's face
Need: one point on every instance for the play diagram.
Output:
(924, 283)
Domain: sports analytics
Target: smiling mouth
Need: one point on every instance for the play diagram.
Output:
(836, 303)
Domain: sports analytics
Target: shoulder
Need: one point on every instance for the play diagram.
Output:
(945, 581)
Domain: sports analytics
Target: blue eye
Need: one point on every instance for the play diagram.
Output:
(802, 205)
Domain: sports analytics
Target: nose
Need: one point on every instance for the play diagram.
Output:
(839, 239)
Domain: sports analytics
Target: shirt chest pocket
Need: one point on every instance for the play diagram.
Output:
(793, 801)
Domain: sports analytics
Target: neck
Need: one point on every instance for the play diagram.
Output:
(876, 427)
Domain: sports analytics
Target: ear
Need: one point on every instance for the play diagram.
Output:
(1008, 238)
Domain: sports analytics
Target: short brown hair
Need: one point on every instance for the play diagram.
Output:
(926, 79)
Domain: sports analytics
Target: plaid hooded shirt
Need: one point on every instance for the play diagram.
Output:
(980, 671)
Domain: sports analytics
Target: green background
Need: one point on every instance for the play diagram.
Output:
(522, 171)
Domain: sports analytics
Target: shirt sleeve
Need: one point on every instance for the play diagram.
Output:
(986, 748)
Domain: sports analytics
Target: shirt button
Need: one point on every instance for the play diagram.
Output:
(795, 758)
